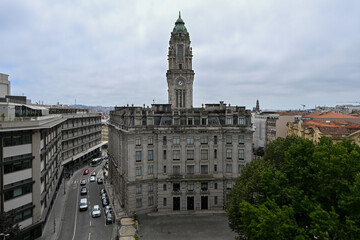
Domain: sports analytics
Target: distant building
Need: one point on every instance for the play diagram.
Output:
(4, 85)
(174, 157)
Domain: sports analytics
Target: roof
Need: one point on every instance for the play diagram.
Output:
(179, 25)
(329, 115)
(332, 127)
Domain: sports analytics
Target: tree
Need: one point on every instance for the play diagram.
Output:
(299, 191)
(8, 225)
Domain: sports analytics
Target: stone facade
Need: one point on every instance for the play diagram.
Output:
(174, 157)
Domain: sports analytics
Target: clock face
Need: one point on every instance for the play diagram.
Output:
(180, 82)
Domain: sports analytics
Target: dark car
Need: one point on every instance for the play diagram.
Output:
(109, 218)
(86, 171)
(83, 182)
(99, 180)
(102, 191)
(83, 191)
(105, 202)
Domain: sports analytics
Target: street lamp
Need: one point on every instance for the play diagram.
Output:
(4, 235)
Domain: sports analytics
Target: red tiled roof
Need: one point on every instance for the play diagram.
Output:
(329, 115)
(332, 127)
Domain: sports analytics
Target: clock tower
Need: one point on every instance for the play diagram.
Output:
(180, 75)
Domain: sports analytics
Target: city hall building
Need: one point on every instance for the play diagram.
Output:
(175, 157)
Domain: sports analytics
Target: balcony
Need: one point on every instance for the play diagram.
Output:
(176, 193)
(204, 192)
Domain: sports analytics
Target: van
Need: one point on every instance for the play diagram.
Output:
(83, 204)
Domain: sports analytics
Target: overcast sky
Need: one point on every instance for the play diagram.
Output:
(283, 52)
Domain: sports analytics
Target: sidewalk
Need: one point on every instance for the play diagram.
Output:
(54, 221)
(127, 229)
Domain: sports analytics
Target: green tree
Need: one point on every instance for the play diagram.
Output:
(299, 191)
(8, 225)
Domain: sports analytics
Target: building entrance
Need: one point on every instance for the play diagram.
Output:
(176, 203)
(190, 203)
(204, 202)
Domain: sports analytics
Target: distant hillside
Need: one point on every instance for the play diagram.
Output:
(105, 110)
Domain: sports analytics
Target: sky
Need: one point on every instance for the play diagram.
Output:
(285, 53)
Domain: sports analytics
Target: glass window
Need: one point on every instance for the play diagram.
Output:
(176, 154)
(190, 169)
(138, 156)
(151, 187)
(241, 139)
(150, 169)
(215, 200)
(215, 153)
(150, 155)
(180, 54)
(164, 154)
(215, 139)
(203, 121)
(138, 202)
(164, 187)
(164, 169)
(204, 169)
(204, 154)
(138, 188)
(190, 140)
(190, 186)
(229, 168)
(228, 185)
(190, 121)
(204, 140)
(151, 200)
(240, 168)
(228, 139)
(190, 154)
(229, 120)
(242, 121)
(228, 153)
(164, 202)
(215, 168)
(241, 154)
(164, 140)
(138, 171)
(138, 141)
(17, 192)
(150, 140)
(215, 185)
(176, 170)
(204, 186)
(176, 140)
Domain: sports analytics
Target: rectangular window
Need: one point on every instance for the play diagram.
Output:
(229, 121)
(241, 154)
(190, 121)
(203, 121)
(180, 66)
(240, 168)
(229, 168)
(164, 202)
(228, 139)
(204, 186)
(228, 153)
(150, 187)
(215, 200)
(190, 169)
(138, 171)
(242, 121)
(176, 140)
(215, 153)
(215, 139)
(138, 156)
(150, 140)
(190, 186)
(204, 169)
(241, 139)
(150, 169)
(176, 170)
(204, 140)
(190, 154)
(150, 200)
(150, 155)
(204, 154)
(176, 154)
(228, 186)
(164, 169)
(164, 187)
(138, 141)
(215, 186)
(164, 154)
(139, 202)
(215, 168)
(164, 140)
(190, 140)
(180, 54)
(138, 189)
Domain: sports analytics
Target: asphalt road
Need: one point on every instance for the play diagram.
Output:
(80, 225)
(207, 226)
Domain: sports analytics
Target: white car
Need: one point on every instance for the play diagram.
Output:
(96, 212)
(92, 179)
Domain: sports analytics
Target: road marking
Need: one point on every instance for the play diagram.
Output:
(76, 211)
(89, 236)
(90, 223)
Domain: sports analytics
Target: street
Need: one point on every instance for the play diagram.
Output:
(80, 225)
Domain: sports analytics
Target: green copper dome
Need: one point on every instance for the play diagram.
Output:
(179, 25)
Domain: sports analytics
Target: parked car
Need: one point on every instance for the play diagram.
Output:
(96, 212)
(86, 171)
(105, 202)
(109, 219)
(83, 204)
(107, 209)
(93, 173)
(102, 191)
(92, 179)
(104, 195)
(83, 191)
(83, 182)
(99, 180)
